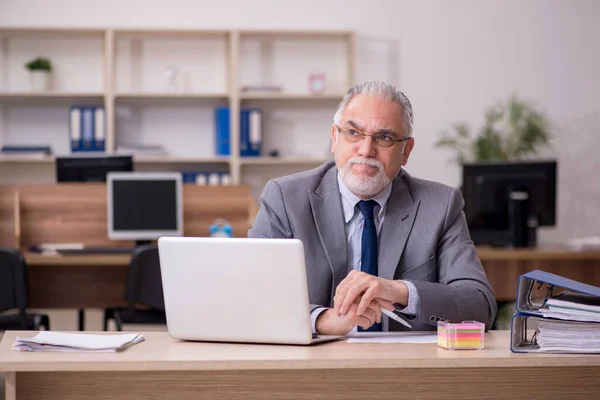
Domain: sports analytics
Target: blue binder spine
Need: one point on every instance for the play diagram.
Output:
(87, 128)
(244, 133)
(222, 134)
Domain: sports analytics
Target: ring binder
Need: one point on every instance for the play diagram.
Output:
(530, 326)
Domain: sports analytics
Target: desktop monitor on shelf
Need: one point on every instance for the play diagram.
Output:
(144, 206)
(90, 168)
(505, 202)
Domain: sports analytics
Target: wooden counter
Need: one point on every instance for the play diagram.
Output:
(162, 367)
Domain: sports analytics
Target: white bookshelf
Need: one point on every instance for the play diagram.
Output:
(124, 70)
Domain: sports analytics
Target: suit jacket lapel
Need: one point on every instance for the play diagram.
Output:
(399, 218)
(328, 215)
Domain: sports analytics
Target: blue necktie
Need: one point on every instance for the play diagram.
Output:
(369, 247)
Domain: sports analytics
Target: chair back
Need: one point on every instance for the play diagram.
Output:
(13, 283)
(144, 281)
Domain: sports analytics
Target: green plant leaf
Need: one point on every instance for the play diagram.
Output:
(39, 64)
(511, 130)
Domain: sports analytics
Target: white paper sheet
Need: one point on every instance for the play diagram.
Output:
(392, 337)
(68, 342)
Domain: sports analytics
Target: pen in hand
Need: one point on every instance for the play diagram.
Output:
(395, 317)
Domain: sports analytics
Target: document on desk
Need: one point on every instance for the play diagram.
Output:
(77, 342)
(392, 337)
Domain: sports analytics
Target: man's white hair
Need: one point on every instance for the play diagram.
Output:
(384, 91)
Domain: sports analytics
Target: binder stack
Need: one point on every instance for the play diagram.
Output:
(87, 129)
(555, 315)
(250, 132)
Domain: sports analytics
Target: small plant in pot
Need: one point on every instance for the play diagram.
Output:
(40, 70)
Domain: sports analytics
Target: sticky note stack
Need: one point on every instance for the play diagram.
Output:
(468, 335)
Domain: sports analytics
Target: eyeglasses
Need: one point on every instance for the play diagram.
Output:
(380, 139)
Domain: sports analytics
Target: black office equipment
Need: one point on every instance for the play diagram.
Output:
(143, 291)
(13, 294)
(144, 206)
(90, 168)
(505, 202)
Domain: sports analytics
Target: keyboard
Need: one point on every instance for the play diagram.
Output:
(97, 250)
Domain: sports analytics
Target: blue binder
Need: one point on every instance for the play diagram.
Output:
(222, 147)
(528, 307)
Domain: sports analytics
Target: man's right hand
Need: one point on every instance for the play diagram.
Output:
(330, 323)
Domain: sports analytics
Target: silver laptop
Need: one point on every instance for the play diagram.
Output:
(236, 290)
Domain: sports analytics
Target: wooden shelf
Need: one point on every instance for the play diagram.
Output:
(288, 96)
(298, 34)
(138, 159)
(45, 97)
(170, 96)
(180, 160)
(281, 160)
(26, 159)
(128, 66)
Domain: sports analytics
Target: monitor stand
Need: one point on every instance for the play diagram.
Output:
(519, 219)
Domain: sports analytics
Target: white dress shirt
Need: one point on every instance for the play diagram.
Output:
(354, 226)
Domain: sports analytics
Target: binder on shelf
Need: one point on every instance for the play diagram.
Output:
(99, 129)
(255, 132)
(87, 128)
(555, 314)
(26, 149)
(75, 128)
(250, 132)
(222, 131)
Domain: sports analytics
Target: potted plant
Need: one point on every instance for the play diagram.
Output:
(40, 70)
(512, 130)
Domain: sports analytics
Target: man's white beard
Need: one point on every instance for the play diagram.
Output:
(364, 186)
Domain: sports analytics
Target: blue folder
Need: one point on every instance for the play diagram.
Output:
(528, 306)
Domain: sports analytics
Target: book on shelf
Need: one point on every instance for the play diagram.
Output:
(262, 88)
(141, 149)
(25, 151)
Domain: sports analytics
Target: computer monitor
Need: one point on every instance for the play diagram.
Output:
(144, 206)
(505, 202)
(90, 168)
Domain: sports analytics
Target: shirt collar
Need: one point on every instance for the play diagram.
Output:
(350, 200)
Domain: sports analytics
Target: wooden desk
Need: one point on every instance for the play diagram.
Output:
(162, 367)
(98, 281)
(77, 281)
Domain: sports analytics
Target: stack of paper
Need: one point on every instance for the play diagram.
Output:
(571, 323)
(77, 342)
(573, 307)
(568, 336)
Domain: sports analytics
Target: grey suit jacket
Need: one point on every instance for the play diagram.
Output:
(424, 239)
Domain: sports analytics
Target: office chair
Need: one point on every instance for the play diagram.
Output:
(143, 291)
(13, 294)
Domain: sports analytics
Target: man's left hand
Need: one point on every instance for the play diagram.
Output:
(371, 288)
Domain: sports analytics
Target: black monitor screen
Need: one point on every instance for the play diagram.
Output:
(487, 187)
(91, 168)
(144, 205)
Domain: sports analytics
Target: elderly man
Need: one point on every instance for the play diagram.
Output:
(374, 236)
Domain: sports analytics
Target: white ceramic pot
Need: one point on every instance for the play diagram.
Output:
(40, 81)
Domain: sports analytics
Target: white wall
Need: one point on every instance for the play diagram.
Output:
(452, 58)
